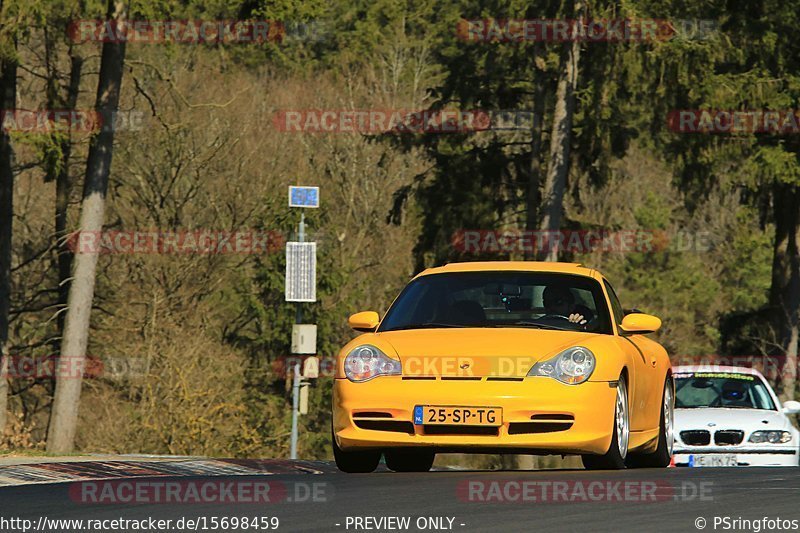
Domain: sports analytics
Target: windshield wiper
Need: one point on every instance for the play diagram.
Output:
(540, 325)
(429, 325)
(435, 325)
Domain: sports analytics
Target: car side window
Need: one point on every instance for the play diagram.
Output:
(616, 307)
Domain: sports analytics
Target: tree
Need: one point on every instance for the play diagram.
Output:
(751, 64)
(485, 179)
(8, 101)
(57, 156)
(785, 290)
(533, 197)
(64, 417)
(561, 140)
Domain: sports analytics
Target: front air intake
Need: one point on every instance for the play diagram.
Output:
(728, 437)
(696, 437)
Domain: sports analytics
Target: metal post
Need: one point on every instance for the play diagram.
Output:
(295, 409)
(301, 234)
(309, 198)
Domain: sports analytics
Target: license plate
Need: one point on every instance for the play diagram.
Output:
(720, 459)
(438, 415)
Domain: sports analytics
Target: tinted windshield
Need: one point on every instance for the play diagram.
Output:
(715, 389)
(500, 299)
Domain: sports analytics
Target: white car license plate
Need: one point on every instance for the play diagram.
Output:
(458, 416)
(717, 459)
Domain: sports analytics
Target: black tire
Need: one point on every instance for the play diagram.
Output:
(409, 460)
(661, 457)
(360, 462)
(613, 459)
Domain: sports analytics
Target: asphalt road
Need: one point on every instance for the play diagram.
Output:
(554, 500)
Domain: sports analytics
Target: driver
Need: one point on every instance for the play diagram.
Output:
(558, 300)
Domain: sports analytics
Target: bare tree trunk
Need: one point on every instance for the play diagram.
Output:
(64, 417)
(58, 170)
(535, 177)
(560, 139)
(785, 289)
(8, 101)
(63, 188)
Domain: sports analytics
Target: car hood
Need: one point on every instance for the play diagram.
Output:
(744, 419)
(508, 352)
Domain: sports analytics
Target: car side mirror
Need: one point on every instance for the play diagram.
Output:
(364, 321)
(640, 323)
(791, 407)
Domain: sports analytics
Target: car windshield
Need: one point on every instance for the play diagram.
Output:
(500, 299)
(721, 389)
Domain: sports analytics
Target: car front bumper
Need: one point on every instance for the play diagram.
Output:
(378, 414)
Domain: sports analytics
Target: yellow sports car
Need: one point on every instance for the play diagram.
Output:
(503, 357)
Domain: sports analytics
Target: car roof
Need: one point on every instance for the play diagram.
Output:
(524, 266)
(716, 368)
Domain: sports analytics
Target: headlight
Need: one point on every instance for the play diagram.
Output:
(366, 362)
(572, 366)
(773, 437)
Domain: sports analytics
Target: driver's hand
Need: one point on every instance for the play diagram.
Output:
(577, 318)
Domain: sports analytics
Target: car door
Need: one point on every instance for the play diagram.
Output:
(644, 368)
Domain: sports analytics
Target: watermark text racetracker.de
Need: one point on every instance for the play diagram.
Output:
(484, 241)
(397, 121)
(565, 491)
(50, 366)
(771, 366)
(200, 491)
(46, 524)
(49, 121)
(195, 32)
(509, 30)
(179, 242)
(735, 121)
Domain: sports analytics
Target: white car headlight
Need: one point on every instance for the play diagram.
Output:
(572, 366)
(366, 362)
(773, 437)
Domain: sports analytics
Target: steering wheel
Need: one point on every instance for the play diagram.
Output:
(562, 317)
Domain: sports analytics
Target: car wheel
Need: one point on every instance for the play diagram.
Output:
(661, 457)
(614, 458)
(357, 462)
(409, 460)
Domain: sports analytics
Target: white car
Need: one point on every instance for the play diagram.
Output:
(730, 416)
